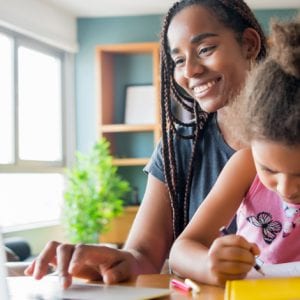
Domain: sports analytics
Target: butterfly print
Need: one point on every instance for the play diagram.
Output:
(269, 227)
(290, 212)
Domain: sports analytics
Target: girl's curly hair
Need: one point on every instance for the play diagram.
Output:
(270, 107)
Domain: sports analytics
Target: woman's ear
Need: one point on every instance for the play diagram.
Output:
(251, 43)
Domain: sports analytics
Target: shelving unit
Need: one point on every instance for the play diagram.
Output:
(119, 66)
(109, 124)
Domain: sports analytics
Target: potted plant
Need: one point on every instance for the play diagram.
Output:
(94, 194)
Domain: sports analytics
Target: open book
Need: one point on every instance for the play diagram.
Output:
(279, 270)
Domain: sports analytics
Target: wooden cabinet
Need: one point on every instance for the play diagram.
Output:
(119, 66)
(119, 227)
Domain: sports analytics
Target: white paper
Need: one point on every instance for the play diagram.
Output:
(140, 105)
(48, 288)
(279, 270)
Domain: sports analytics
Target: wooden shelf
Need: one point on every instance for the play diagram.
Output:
(119, 227)
(126, 128)
(130, 161)
(129, 48)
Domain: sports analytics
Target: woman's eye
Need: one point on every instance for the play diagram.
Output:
(206, 50)
(178, 61)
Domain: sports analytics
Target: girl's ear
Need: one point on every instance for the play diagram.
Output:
(251, 43)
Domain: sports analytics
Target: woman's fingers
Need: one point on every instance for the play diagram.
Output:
(30, 269)
(98, 262)
(64, 254)
(120, 271)
(40, 266)
(91, 262)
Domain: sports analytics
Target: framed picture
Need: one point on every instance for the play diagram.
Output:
(140, 104)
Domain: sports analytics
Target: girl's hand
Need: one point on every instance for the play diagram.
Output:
(231, 257)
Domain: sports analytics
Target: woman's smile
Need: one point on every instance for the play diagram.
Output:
(204, 89)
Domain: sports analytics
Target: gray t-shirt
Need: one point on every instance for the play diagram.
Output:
(212, 155)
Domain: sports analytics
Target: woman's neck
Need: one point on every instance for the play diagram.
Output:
(227, 129)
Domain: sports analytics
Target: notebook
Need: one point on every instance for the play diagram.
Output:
(263, 289)
(281, 281)
(48, 288)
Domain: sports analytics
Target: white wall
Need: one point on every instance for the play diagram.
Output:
(40, 20)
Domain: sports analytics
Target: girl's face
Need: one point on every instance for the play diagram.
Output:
(278, 167)
(210, 64)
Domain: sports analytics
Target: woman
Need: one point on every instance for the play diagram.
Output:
(207, 46)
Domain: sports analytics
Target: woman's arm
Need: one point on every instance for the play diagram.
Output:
(199, 253)
(147, 247)
(151, 235)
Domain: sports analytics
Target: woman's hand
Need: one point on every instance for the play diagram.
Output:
(231, 257)
(93, 262)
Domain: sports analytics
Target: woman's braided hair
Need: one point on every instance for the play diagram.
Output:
(234, 14)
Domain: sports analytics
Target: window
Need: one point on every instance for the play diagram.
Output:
(35, 145)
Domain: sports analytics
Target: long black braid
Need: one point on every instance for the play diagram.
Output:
(234, 14)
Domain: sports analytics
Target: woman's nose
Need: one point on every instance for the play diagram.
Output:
(193, 67)
(287, 186)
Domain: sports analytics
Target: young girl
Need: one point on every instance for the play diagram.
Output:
(207, 47)
(260, 183)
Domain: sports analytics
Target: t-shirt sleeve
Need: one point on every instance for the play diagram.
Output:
(155, 165)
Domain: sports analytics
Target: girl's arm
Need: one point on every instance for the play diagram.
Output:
(199, 252)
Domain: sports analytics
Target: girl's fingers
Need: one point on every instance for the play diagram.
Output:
(237, 254)
(255, 250)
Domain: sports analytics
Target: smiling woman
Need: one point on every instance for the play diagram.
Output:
(200, 67)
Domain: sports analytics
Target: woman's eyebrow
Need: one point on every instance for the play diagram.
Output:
(200, 37)
(196, 39)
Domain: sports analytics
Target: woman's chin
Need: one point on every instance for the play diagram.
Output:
(210, 107)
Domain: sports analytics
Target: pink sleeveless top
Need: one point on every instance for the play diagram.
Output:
(274, 225)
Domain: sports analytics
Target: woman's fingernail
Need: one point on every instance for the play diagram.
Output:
(64, 281)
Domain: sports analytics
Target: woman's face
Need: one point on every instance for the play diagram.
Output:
(210, 64)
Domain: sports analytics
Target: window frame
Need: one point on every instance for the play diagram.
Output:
(68, 128)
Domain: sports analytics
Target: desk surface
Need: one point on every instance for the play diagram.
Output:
(50, 287)
(162, 281)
